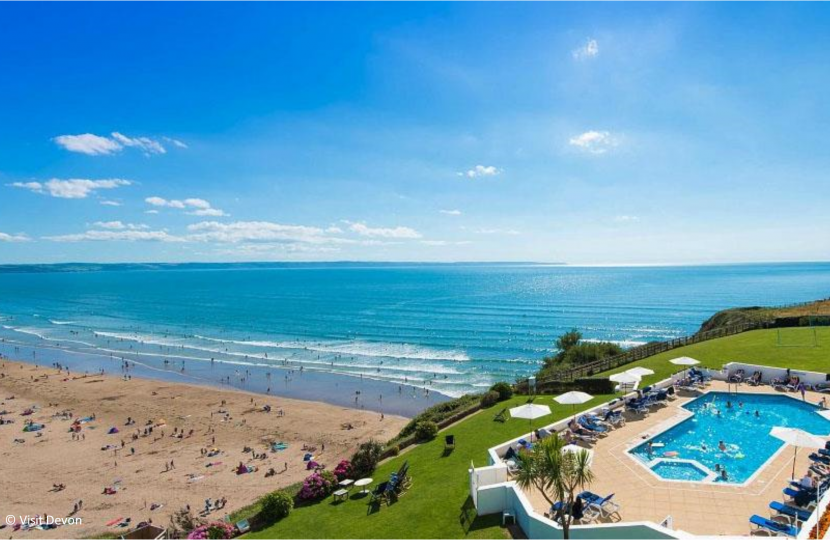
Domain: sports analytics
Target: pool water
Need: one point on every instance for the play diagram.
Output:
(748, 444)
(680, 470)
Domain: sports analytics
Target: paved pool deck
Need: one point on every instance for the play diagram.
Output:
(696, 508)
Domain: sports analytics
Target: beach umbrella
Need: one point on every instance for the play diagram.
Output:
(797, 438)
(573, 398)
(640, 371)
(531, 411)
(625, 379)
(684, 361)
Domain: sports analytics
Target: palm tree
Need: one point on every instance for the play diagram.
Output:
(558, 475)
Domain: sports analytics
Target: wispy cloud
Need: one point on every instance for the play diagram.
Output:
(107, 202)
(98, 145)
(73, 188)
(98, 235)
(395, 232)
(626, 219)
(589, 50)
(119, 225)
(255, 231)
(451, 212)
(594, 142)
(509, 232)
(197, 207)
(5, 237)
(481, 170)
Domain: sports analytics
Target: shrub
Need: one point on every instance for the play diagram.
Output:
(276, 506)
(395, 450)
(490, 398)
(426, 430)
(317, 486)
(366, 458)
(505, 390)
(343, 470)
(440, 412)
(216, 529)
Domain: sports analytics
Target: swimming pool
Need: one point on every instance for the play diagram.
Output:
(730, 418)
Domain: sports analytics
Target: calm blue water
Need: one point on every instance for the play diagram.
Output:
(746, 436)
(455, 328)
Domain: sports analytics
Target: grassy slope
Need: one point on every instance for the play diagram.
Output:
(757, 347)
(433, 507)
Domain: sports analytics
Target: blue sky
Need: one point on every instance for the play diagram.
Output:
(585, 133)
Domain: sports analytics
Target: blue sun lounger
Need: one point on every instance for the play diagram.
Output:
(781, 509)
(778, 529)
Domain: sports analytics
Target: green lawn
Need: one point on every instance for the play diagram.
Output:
(758, 347)
(434, 507)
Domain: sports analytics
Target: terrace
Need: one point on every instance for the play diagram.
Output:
(681, 507)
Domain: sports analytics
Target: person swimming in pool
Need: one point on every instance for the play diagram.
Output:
(723, 474)
(757, 414)
(650, 449)
(721, 446)
(728, 404)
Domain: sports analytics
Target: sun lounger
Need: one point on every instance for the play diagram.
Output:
(737, 377)
(449, 441)
(604, 505)
(774, 528)
(379, 493)
(789, 512)
(792, 385)
(501, 416)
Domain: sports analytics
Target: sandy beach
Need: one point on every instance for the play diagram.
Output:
(196, 444)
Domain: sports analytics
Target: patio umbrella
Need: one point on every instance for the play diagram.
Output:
(797, 438)
(625, 379)
(531, 411)
(684, 361)
(640, 371)
(573, 398)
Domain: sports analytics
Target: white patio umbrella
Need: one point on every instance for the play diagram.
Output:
(625, 377)
(640, 371)
(531, 411)
(573, 398)
(684, 361)
(797, 438)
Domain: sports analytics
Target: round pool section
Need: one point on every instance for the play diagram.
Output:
(727, 431)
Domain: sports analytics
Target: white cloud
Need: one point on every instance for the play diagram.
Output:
(594, 142)
(89, 144)
(200, 207)
(73, 188)
(118, 225)
(175, 142)
(107, 202)
(589, 50)
(481, 170)
(149, 146)
(509, 232)
(151, 212)
(256, 231)
(5, 237)
(397, 232)
(626, 219)
(123, 235)
(97, 145)
(451, 212)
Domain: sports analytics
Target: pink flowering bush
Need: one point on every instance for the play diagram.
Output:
(343, 470)
(216, 529)
(317, 486)
(312, 465)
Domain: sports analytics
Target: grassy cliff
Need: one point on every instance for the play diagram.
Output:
(733, 316)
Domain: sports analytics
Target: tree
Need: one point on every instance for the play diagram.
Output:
(558, 475)
(568, 340)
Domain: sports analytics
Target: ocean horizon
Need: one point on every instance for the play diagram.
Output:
(451, 329)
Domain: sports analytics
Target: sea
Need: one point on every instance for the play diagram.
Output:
(387, 337)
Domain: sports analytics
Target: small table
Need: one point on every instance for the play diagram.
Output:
(346, 484)
(363, 482)
(341, 495)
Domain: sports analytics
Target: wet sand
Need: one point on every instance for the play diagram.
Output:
(53, 456)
